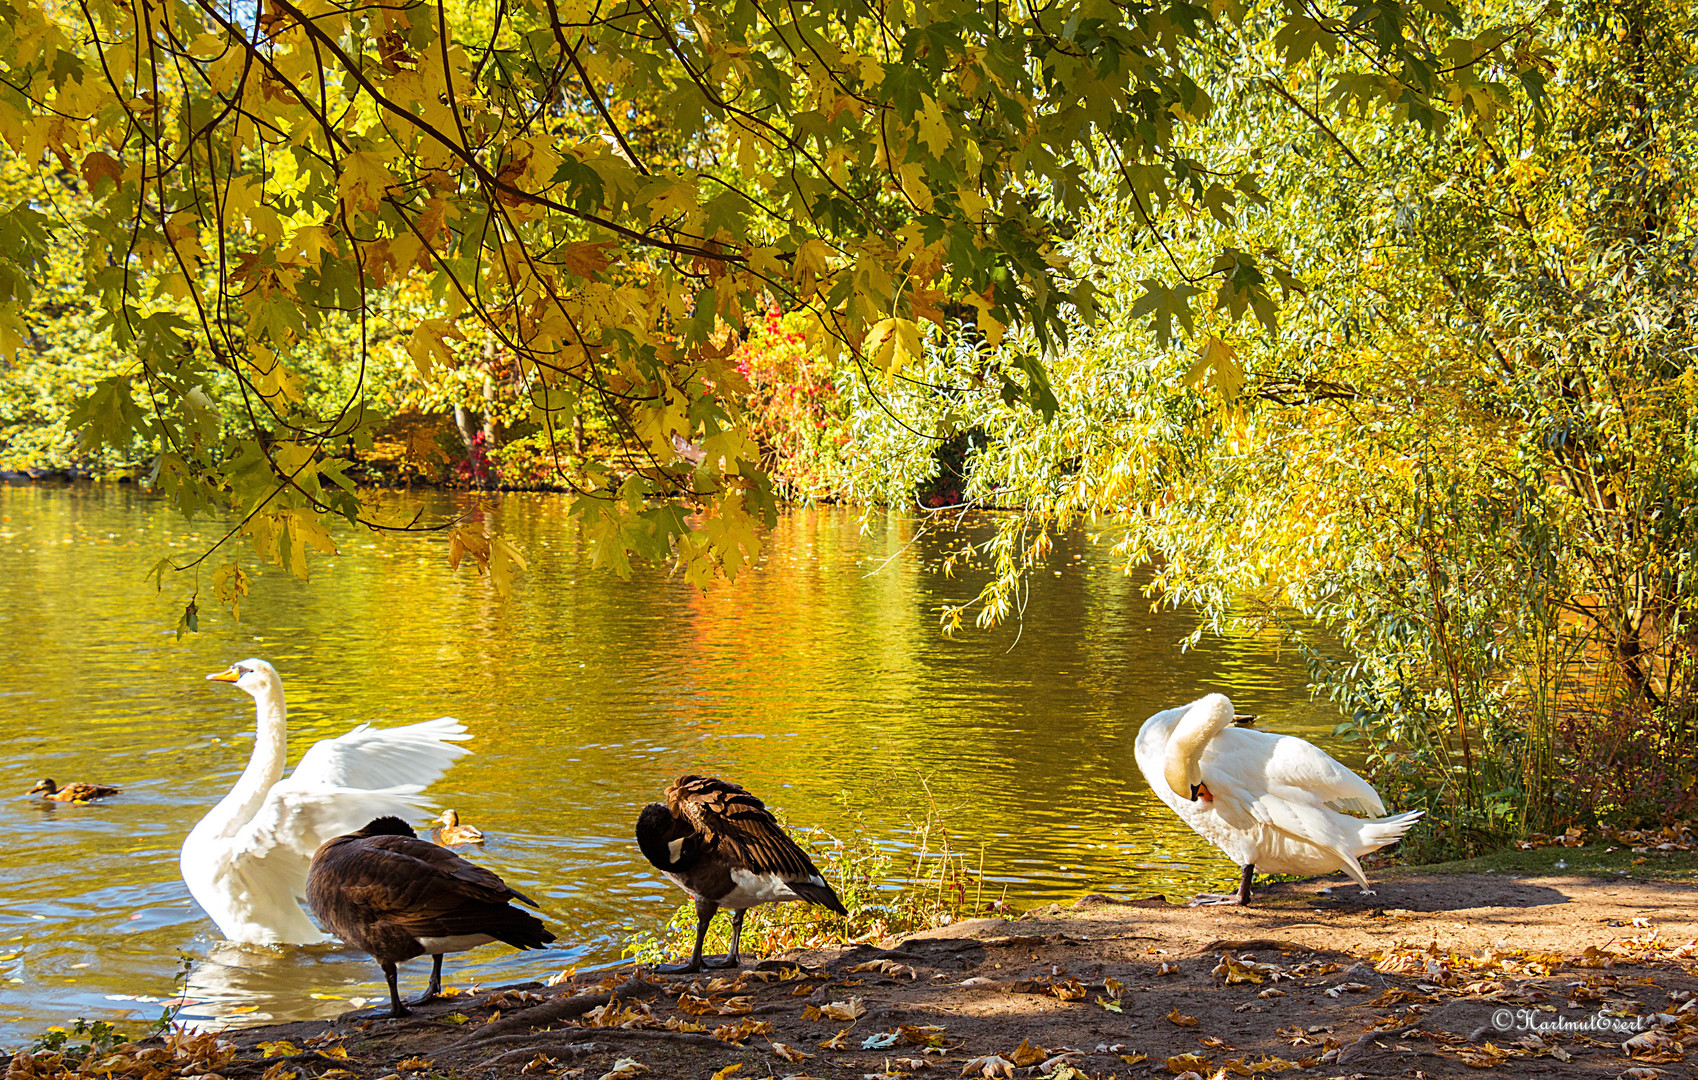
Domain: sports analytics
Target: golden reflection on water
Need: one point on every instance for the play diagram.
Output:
(820, 681)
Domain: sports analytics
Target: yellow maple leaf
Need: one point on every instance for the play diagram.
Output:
(364, 180)
(934, 130)
(892, 343)
(429, 343)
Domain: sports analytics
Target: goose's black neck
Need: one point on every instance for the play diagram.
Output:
(386, 826)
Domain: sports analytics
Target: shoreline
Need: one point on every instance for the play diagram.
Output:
(1312, 979)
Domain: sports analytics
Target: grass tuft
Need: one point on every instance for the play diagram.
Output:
(887, 892)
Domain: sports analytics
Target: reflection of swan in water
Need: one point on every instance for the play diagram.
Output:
(236, 985)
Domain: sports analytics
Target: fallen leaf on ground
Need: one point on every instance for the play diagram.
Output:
(742, 1029)
(280, 1048)
(1270, 1064)
(990, 1066)
(723, 1074)
(840, 1041)
(1234, 970)
(1181, 1019)
(627, 1067)
(1184, 1063)
(1026, 1054)
(1486, 1057)
(790, 1053)
(853, 1009)
(879, 1041)
(413, 1064)
(887, 967)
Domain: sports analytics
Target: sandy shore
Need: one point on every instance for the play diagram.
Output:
(1436, 976)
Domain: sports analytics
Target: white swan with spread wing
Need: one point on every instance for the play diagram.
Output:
(1270, 801)
(246, 862)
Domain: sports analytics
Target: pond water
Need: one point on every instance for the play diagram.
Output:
(820, 681)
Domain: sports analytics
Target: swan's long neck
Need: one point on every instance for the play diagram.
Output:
(1202, 722)
(264, 769)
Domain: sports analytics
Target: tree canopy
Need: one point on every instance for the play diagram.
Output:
(602, 193)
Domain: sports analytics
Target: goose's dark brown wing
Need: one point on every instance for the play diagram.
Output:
(423, 889)
(739, 828)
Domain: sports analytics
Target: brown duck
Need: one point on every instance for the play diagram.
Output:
(724, 847)
(384, 890)
(47, 789)
(450, 832)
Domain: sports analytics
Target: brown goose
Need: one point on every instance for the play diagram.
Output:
(47, 789)
(727, 850)
(384, 890)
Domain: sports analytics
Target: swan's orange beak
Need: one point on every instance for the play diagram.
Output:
(229, 674)
(1201, 791)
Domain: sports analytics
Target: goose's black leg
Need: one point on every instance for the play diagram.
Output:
(1244, 884)
(434, 990)
(730, 959)
(704, 915)
(395, 1006)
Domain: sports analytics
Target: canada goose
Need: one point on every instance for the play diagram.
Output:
(1270, 801)
(383, 890)
(724, 847)
(246, 862)
(451, 832)
(47, 789)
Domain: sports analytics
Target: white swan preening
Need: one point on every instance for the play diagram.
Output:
(1269, 801)
(246, 862)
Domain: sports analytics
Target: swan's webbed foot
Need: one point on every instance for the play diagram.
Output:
(1215, 899)
(689, 968)
(721, 962)
(378, 1012)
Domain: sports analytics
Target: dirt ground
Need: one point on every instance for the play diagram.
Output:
(1436, 976)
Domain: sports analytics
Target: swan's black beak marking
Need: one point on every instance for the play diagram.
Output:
(1195, 788)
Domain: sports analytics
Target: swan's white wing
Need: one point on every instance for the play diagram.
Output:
(1286, 765)
(339, 786)
(368, 757)
(273, 851)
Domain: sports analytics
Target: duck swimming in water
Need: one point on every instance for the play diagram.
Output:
(47, 789)
(451, 832)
